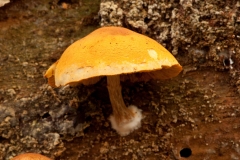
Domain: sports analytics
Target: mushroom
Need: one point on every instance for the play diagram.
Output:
(120, 54)
(30, 156)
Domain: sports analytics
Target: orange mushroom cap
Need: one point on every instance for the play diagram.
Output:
(30, 156)
(112, 51)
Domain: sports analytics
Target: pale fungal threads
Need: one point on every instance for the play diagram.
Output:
(127, 126)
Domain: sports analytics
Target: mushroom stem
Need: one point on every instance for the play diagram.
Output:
(120, 111)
